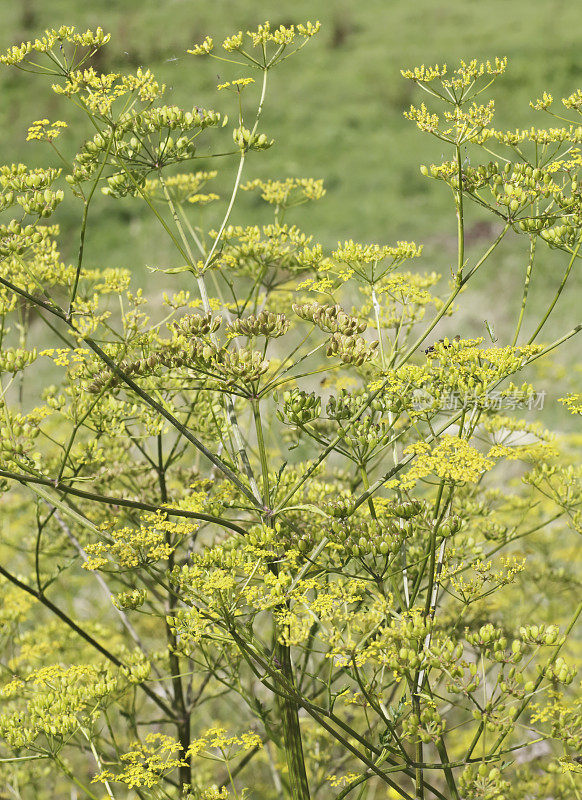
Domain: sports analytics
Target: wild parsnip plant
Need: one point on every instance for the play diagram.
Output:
(266, 539)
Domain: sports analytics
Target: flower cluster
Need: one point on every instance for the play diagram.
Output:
(452, 459)
(184, 188)
(264, 37)
(55, 37)
(265, 251)
(129, 547)
(147, 763)
(43, 130)
(287, 193)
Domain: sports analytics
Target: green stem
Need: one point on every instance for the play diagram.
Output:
(376, 306)
(558, 293)
(460, 218)
(176, 219)
(532, 250)
(262, 452)
(418, 771)
(84, 228)
(75, 780)
(120, 501)
(474, 741)
(182, 713)
(449, 777)
(527, 700)
(401, 361)
(238, 174)
(288, 710)
(83, 634)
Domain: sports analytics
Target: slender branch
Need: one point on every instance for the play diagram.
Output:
(134, 386)
(405, 356)
(84, 635)
(460, 217)
(527, 700)
(526, 284)
(99, 578)
(119, 501)
(87, 203)
(558, 293)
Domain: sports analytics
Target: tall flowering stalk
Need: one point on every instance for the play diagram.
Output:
(295, 503)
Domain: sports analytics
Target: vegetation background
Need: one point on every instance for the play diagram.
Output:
(335, 114)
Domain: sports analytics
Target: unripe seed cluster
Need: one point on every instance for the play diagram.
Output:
(300, 407)
(351, 349)
(246, 140)
(331, 319)
(265, 323)
(426, 727)
(16, 359)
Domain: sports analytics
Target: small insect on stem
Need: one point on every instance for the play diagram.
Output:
(491, 331)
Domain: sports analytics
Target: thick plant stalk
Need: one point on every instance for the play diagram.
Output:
(287, 706)
(179, 701)
(291, 731)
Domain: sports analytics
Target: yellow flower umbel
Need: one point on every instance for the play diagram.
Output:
(238, 85)
(74, 48)
(287, 193)
(147, 763)
(453, 459)
(43, 130)
(274, 44)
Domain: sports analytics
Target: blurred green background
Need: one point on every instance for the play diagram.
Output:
(335, 111)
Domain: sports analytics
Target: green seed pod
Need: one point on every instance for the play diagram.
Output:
(405, 510)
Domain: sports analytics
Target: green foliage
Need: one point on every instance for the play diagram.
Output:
(329, 561)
